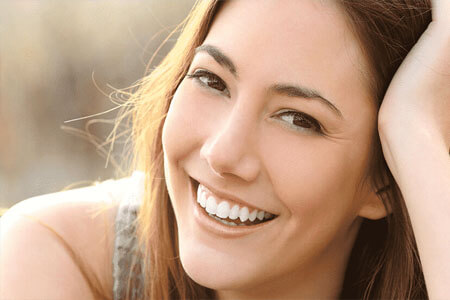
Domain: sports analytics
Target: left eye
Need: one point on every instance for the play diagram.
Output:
(210, 80)
(300, 121)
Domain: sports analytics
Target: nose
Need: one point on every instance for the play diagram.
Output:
(230, 149)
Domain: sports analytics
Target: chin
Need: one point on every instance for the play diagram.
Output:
(217, 270)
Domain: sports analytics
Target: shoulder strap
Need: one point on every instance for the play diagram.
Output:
(126, 254)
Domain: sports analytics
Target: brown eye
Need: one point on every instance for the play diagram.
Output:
(300, 121)
(210, 80)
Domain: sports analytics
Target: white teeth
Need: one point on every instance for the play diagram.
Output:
(234, 213)
(203, 199)
(223, 221)
(260, 215)
(211, 205)
(243, 214)
(199, 192)
(223, 209)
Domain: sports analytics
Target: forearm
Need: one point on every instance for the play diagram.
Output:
(421, 167)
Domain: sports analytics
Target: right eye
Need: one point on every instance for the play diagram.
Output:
(210, 80)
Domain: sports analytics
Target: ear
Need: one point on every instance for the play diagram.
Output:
(372, 207)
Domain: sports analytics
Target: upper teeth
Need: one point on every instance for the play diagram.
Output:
(224, 210)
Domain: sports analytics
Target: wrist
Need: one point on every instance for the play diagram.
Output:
(403, 134)
(409, 149)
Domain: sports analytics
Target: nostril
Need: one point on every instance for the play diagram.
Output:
(245, 166)
(215, 162)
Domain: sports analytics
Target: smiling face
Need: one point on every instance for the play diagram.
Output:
(274, 115)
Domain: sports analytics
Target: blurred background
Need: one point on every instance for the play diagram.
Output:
(59, 60)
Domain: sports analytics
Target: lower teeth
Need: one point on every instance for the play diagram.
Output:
(225, 222)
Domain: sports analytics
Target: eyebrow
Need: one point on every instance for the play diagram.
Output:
(303, 92)
(291, 90)
(218, 56)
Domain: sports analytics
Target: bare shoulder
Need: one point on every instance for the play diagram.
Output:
(60, 245)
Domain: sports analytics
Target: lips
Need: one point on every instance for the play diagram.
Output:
(228, 211)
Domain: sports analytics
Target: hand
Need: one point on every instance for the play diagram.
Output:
(416, 106)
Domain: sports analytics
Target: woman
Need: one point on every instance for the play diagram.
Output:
(263, 122)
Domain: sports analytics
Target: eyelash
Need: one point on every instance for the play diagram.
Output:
(197, 75)
(309, 123)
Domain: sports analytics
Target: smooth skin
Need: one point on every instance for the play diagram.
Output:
(244, 141)
(414, 129)
(414, 126)
(34, 264)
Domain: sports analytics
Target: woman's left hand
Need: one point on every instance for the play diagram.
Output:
(414, 127)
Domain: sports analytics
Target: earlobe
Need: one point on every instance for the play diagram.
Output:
(373, 207)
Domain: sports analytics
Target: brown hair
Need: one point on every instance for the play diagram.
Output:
(384, 262)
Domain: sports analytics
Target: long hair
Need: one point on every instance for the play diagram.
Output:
(384, 262)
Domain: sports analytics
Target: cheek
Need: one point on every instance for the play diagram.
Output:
(193, 115)
(313, 176)
(180, 139)
(181, 127)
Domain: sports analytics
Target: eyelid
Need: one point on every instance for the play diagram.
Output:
(319, 130)
(196, 73)
(204, 71)
(317, 127)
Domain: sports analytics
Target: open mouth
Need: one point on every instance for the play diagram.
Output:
(228, 212)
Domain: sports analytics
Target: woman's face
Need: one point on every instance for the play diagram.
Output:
(275, 115)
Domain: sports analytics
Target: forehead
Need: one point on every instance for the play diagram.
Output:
(307, 41)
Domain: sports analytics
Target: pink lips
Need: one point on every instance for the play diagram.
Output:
(215, 227)
(229, 197)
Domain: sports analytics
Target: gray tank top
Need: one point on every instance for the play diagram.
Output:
(126, 245)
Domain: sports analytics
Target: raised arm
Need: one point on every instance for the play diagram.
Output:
(414, 126)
